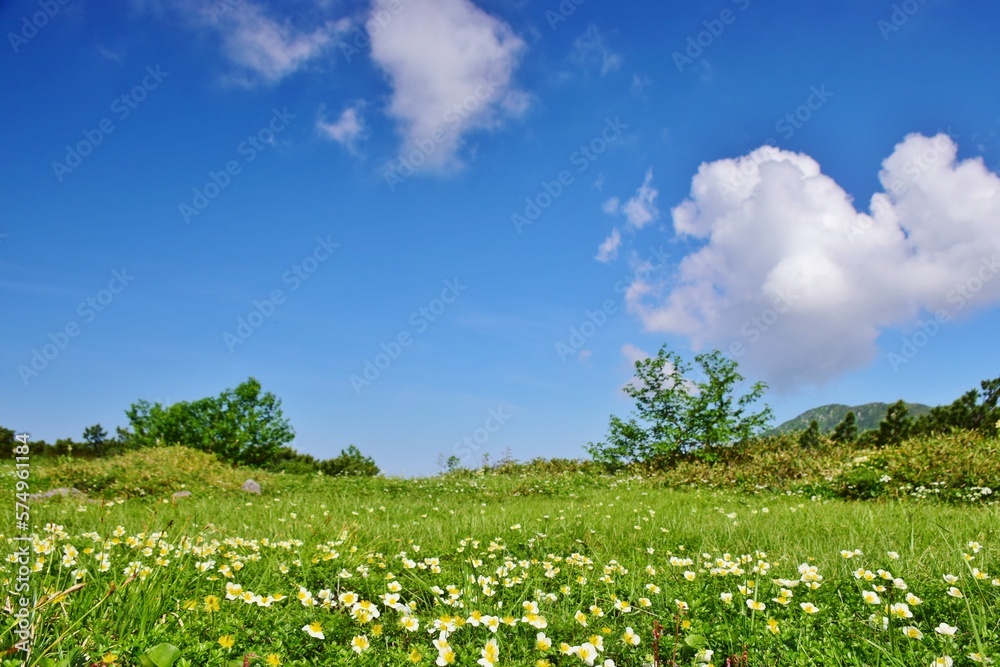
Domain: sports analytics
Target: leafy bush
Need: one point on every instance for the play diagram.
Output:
(351, 462)
(241, 425)
(862, 479)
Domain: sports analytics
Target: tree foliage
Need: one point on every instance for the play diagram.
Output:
(975, 410)
(243, 425)
(675, 414)
(349, 463)
(95, 439)
(896, 426)
(847, 430)
(810, 438)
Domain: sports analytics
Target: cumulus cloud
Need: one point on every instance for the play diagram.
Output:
(450, 65)
(346, 129)
(267, 49)
(794, 280)
(591, 49)
(608, 250)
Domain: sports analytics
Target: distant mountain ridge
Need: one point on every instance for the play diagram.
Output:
(868, 415)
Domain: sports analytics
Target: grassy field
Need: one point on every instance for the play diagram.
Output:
(571, 568)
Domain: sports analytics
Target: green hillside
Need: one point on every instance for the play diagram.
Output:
(868, 415)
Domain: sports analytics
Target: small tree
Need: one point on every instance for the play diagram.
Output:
(94, 438)
(810, 438)
(675, 414)
(896, 425)
(846, 431)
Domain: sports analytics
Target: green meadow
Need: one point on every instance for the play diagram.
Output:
(521, 565)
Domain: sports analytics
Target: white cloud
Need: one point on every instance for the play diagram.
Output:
(268, 49)
(608, 250)
(803, 281)
(450, 65)
(633, 354)
(591, 48)
(638, 211)
(641, 209)
(346, 129)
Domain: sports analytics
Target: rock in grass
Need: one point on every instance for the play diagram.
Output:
(61, 491)
(180, 494)
(250, 486)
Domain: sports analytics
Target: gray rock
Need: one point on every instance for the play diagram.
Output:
(61, 491)
(181, 494)
(251, 486)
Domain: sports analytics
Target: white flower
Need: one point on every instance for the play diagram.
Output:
(314, 629)
(586, 652)
(945, 629)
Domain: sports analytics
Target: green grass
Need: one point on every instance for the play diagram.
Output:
(566, 541)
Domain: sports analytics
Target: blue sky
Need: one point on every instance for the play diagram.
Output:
(811, 188)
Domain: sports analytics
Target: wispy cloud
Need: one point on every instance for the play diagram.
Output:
(608, 250)
(346, 130)
(591, 49)
(266, 49)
